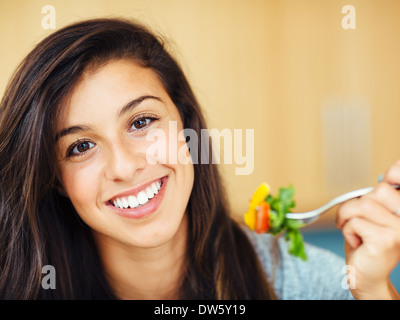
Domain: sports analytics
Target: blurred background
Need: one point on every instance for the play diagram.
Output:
(316, 80)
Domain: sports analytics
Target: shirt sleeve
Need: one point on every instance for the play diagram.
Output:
(321, 277)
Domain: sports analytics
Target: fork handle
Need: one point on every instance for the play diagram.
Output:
(334, 202)
(351, 195)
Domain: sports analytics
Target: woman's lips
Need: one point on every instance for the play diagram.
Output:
(139, 203)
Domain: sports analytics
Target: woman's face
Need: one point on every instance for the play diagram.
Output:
(118, 188)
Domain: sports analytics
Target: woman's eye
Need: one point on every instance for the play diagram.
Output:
(81, 147)
(141, 123)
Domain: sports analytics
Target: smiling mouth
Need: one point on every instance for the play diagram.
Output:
(140, 199)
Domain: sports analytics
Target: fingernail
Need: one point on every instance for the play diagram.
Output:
(380, 178)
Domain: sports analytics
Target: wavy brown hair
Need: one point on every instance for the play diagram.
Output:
(39, 226)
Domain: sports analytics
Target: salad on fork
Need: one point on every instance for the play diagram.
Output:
(267, 214)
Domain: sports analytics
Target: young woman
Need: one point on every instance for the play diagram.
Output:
(80, 190)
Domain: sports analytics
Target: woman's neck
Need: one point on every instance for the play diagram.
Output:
(145, 273)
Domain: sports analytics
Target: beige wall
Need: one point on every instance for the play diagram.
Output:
(285, 68)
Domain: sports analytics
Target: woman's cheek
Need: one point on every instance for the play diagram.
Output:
(81, 183)
(166, 146)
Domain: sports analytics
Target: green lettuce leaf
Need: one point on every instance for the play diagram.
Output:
(280, 205)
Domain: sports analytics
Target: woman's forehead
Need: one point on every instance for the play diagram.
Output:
(110, 87)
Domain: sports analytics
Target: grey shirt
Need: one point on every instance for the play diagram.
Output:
(321, 277)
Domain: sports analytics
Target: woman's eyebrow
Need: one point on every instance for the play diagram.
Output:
(127, 107)
(71, 130)
(132, 104)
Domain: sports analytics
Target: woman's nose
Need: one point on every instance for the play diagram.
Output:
(123, 162)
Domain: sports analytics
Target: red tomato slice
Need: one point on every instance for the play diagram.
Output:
(263, 212)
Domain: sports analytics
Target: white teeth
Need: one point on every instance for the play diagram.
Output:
(133, 202)
(154, 188)
(149, 193)
(125, 203)
(119, 203)
(142, 197)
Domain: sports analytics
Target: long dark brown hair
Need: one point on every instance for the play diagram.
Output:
(39, 226)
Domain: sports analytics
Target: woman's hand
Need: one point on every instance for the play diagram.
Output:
(371, 229)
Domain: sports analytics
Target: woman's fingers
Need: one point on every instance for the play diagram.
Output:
(377, 207)
(371, 228)
(392, 175)
(373, 251)
(359, 231)
(388, 196)
(380, 245)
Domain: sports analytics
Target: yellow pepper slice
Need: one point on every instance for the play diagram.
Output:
(250, 217)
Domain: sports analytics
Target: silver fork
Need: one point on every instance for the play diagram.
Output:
(311, 216)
